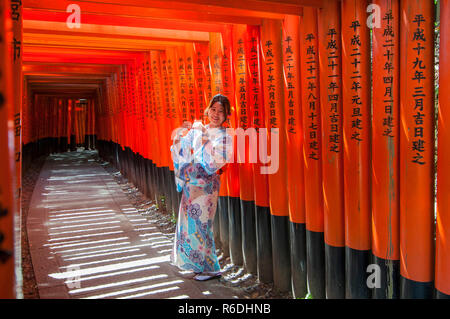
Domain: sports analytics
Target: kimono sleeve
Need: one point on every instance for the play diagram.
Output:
(216, 152)
(181, 156)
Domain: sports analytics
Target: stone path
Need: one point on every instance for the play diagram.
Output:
(87, 241)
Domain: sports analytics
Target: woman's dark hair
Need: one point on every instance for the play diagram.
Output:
(223, 100)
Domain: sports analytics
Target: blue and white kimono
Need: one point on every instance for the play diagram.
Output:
(197, 158)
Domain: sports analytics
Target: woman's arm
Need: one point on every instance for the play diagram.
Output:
(182, 141)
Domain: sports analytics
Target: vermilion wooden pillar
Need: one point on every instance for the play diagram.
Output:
(16, 56)
(271, 39)
(7, 208)
(261, 187)
(216, 54)
(243, 113)
(312, 152)
(330, 54)
(356, 139)
(442, 277)
(232, 171)
(294, 146)
(385, 149)
(416, 149)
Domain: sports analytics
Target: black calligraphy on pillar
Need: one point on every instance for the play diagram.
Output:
(312, 99)
(157, 84)
(183, 89)
(17, 48)
(17, 130)
(142, 94)
(173, 103)
(333, 90)
(15, 9)
(165, 78)
(271, 86)
(127, 92)
(200, 78)
(290, 80)
(133, 91)
(255, 82)
(190, 78)
(242, 85)
(226, 69)
(388, 78)
(355, 61)
(217, 75)
(207, 67)
(147, 88)
(418, 142)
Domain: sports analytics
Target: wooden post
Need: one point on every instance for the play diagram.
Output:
(271, 38)
(294, 148)
(356, 128)
(442, 276)
(312, 152)
(7, 200)
(385, 150)
(330, 57)
(416, 149)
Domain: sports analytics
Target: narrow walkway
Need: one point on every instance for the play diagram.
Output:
(87, 240)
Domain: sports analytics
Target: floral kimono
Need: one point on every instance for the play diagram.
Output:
(197, 158)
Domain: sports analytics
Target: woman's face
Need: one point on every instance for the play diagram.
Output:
(216, 114)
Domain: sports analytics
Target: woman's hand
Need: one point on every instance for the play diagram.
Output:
(181, 131)
(205, 139)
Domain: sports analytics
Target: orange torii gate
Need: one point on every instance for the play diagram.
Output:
(349, 209)
(7, 203)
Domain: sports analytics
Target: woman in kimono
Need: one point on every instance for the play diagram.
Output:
(199, 152)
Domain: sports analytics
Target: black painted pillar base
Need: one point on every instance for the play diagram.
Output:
(64, 145)
(146, 179)
(168, 189)
(173, 192)
(53, 145)
(248, 235)
(73, 144)
(235, 231)
(389, 279)
(298, 259)
(334, 272)
(264, 244)
(281, 253)
(222, 210)
(157, 174)
(315, 257)
(86, 142)
(356, 262)
(166, 192)
(411, 289)
(149, 178)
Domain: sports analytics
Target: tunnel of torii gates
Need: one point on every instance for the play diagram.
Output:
(362, 187)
